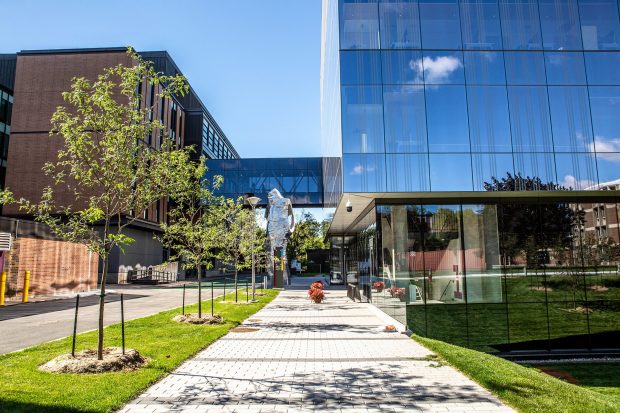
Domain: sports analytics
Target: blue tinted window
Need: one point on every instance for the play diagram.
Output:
(600, 26)
(525, 68)
(440, 24)
(407, 173)
(405, 119)
(603, 68)
(536, 165)
(443, 68)
(605, 105)
(559, 20)
(565, 68)
(529, 115)
(450, 172)
(363, 173)
(487, 166)
(359, 24)
(484, 68)
(362, 119)
(576, 171)
(520, 25)
(447, 119)
(480, 25)
(400, 24)
(360, 67)
(489, 122)
(570, 118)
(402, 67)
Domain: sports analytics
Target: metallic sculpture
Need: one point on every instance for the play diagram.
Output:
(280, 225)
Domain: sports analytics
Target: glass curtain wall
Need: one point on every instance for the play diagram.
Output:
(502, 277)
(531, 88)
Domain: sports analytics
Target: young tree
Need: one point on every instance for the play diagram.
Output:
(237, 234)
(106, 163)
(189, 231)
(309, 234)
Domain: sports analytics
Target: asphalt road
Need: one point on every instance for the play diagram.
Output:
(25, 325)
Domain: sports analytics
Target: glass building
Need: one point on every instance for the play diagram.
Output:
(478, 144)
(299, 179)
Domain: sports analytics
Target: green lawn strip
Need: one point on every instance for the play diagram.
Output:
(601, 377)
(23, 388)
(526, 389)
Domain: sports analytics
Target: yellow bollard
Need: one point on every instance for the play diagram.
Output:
(26, 287)
(2, 288)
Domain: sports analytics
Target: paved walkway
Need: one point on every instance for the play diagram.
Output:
(25, 325)
(331, 357)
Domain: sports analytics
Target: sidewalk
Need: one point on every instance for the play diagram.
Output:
(330, 357)
(25, 325)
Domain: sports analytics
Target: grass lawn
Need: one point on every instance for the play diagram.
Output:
(603, 378)
(526, 389)
(23, 388)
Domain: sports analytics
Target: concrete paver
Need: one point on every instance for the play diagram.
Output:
(306, 357)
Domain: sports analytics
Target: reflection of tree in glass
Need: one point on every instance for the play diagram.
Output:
(531, 230)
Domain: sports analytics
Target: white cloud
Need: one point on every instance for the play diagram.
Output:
(571, 182)
(436, 70)
(359, 169)
(607, 149)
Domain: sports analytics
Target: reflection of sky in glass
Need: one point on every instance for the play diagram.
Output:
(450, 172)
(447, 134)
(527, 109)
(489, 123)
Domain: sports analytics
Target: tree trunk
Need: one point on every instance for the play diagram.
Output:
(104, 274)
(199, 291)
(236, 273)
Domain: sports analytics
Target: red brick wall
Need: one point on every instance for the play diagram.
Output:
(55, 267)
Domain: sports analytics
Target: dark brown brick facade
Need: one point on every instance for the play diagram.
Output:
(39, 82)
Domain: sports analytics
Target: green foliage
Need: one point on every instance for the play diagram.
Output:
(190, 232)
(237, 233)
(105, 162)
(309, 234)
(23, 388)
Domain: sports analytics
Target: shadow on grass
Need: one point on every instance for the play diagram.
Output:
(25, 407)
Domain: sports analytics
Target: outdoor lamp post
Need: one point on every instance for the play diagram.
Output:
(253, 201)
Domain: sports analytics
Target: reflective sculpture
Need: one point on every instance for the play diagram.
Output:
(280, 225)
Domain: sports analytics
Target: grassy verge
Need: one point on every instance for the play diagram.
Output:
(525, 389)
(23, 388)
(601, 377)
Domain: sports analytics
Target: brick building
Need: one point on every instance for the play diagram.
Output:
(31, 86)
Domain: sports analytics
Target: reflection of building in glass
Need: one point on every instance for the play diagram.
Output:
(480, 153)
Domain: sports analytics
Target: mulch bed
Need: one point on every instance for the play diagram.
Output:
(86, 362)
(194, 319)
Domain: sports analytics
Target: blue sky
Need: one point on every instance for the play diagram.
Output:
(255, 64)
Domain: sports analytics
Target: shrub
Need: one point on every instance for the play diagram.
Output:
(317, 295)
(317, 285)
(397, 292)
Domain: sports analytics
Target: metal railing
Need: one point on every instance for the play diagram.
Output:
(151, 276)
